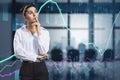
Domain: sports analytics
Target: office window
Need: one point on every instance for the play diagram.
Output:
(79, 29)
(79, 21)
(58, 38)
(53, 20)
(117, 43)
(81, 1)
(78, 36)
(103, 30)
(103, 1)
(61, 1)
(117, 21)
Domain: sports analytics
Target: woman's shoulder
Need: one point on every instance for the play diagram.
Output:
(21, 28)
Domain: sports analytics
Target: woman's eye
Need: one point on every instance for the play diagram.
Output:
(29, 12)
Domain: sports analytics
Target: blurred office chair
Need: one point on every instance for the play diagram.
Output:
(90, 55)
(108, 55)
(73, 55)
(57, 55)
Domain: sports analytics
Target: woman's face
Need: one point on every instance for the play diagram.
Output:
(31, 15)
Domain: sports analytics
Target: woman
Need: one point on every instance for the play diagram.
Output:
(31, 44)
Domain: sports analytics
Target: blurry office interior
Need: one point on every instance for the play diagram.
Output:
(85, 38)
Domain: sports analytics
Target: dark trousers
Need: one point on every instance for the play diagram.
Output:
(33, 71)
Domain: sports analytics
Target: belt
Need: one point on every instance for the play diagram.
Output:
(43, 60)
(31, 62)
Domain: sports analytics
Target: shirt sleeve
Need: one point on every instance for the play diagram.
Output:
(43, 43)
(20, 52)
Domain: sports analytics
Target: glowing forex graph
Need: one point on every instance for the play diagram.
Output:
(110, 33)
(48, 1)
(59, 69)
(8, 66)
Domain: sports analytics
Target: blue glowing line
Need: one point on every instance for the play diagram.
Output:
(58, 10)
(43, 5)
(108, 39)
(8, 74)
(66, 28)
(95, 47)
(61, 14)
(8, 66)
(101, 53)
(60, 70)
(16, 74)
(10, 57)
(110, 33)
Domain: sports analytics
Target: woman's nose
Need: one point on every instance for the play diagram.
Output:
(34, 14)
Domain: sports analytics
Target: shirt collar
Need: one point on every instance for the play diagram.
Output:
(24, 28)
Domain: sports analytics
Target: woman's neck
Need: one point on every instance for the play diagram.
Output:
(31, 28)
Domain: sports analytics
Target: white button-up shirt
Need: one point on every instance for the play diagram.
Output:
(27, 46)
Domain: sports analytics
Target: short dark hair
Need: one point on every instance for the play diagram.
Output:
(24, 9)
